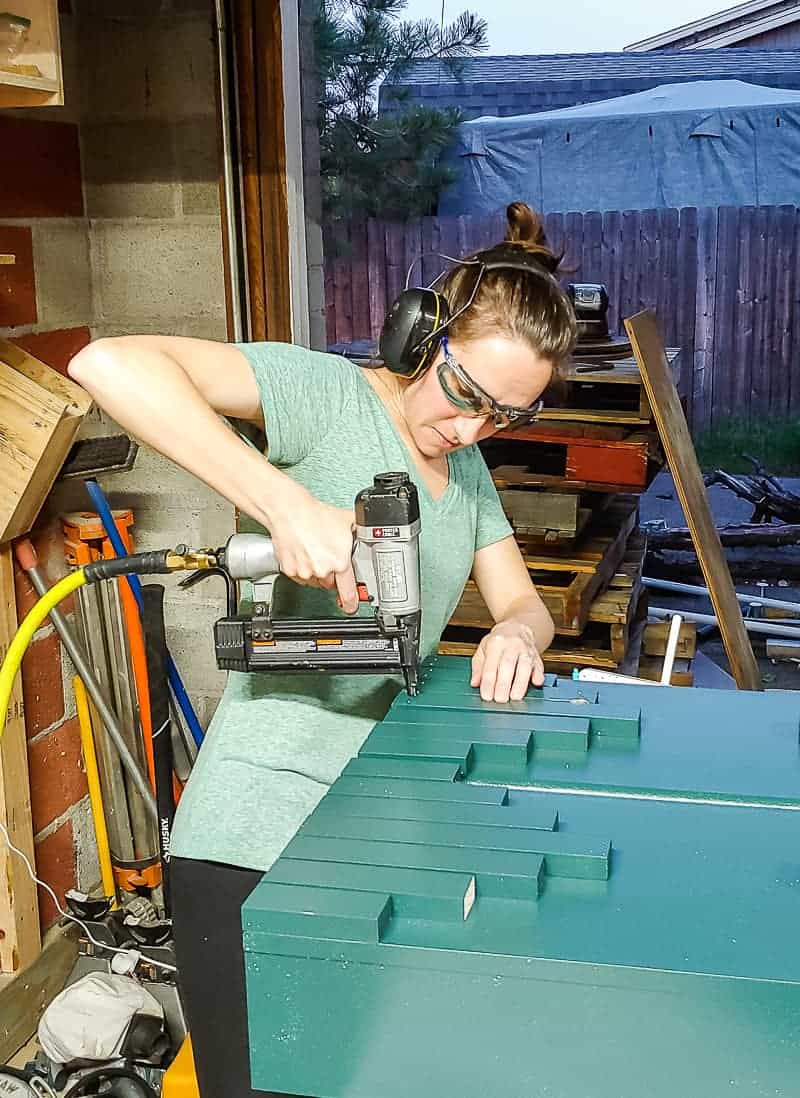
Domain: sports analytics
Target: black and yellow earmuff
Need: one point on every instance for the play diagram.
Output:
(414, 326)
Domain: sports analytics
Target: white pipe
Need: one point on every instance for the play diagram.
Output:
(753, 625)
(672, 648)
(692, 589)
(595, 674)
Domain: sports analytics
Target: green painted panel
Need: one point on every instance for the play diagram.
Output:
(565, 854)
(522, 810)
(506, 874)
(678, 977)
(698, 743)
(415, 893)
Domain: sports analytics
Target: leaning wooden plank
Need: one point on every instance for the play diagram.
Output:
(24, 998)
(19, 909)
(40, 413)
(663, 396)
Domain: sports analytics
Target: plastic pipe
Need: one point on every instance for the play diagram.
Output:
(672, 648)
(95, 792)
(181, 697)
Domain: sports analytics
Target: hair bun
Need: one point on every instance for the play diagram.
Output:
(525, 227)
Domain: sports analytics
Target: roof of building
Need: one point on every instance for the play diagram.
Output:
(725, 28)
(549, 68)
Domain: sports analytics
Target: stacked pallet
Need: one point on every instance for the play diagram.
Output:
(570, 485)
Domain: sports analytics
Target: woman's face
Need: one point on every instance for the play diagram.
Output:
(507, 369)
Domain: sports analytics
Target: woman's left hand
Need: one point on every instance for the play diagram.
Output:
(507, 662)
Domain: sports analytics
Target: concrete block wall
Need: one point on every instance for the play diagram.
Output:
(149, 142)
(113, 211)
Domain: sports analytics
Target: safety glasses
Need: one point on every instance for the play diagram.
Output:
(467, 395)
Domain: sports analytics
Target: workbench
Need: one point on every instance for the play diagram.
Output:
(593, 893)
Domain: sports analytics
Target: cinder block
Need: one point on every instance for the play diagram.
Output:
(130, 168)
(63, 274)
(197, 154)
(157, 271)
(162, 67)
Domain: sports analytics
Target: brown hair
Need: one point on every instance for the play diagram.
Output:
(516, 303)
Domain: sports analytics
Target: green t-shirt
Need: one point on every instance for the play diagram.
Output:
(277, 742)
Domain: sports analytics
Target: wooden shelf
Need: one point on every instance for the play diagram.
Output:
(42, 50)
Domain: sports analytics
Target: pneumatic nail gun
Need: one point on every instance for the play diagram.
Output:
(386, 566)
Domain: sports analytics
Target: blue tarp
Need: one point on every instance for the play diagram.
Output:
(706, 143)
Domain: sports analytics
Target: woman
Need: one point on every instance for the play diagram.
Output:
(277, 742)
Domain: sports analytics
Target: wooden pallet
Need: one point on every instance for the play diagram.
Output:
(613, 394)
(568, 581)
(650, 667)
(545, 518)
(603, 645)
(538, 457)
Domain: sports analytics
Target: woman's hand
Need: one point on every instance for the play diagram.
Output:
(314, 543)
(507, 662)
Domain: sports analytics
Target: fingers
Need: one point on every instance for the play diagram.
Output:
(348, 592)
(505, 666)
(478, 661)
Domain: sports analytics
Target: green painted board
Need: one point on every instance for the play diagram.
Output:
(508, 874)
(458, 669)
(678, 977)
(523, 811)
(606, 718)
(418, 770)
(567, 732)
(415, 893)
(334, 914)
(399, 788)
(566, 854)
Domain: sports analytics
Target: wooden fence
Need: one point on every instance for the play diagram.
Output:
(724, 282)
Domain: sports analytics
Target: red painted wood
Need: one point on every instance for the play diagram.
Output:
(55, 348)
(45, 175)
(17, 280)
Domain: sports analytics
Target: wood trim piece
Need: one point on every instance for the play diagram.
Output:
(20, 940)
(259, 58)
(648, 347)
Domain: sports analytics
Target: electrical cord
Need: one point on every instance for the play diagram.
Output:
(73, 918)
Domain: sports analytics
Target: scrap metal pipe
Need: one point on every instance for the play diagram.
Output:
(693, 589)
(753, 625)
(93, 687)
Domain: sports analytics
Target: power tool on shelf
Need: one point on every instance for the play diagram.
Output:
(386, 566)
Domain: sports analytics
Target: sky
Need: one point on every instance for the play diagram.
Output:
(577, 26)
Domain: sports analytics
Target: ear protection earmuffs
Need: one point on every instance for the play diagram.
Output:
(414, 326)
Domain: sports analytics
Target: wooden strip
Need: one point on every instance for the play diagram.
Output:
(703, 367)
(686, 303)
(743, 351)
(19, 909)
(677, 443)
(377, 281)
(724, 356)
(364, 322)
(784, 358)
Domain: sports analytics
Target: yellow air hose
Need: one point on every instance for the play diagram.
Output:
(95, 792)
(24, 635)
